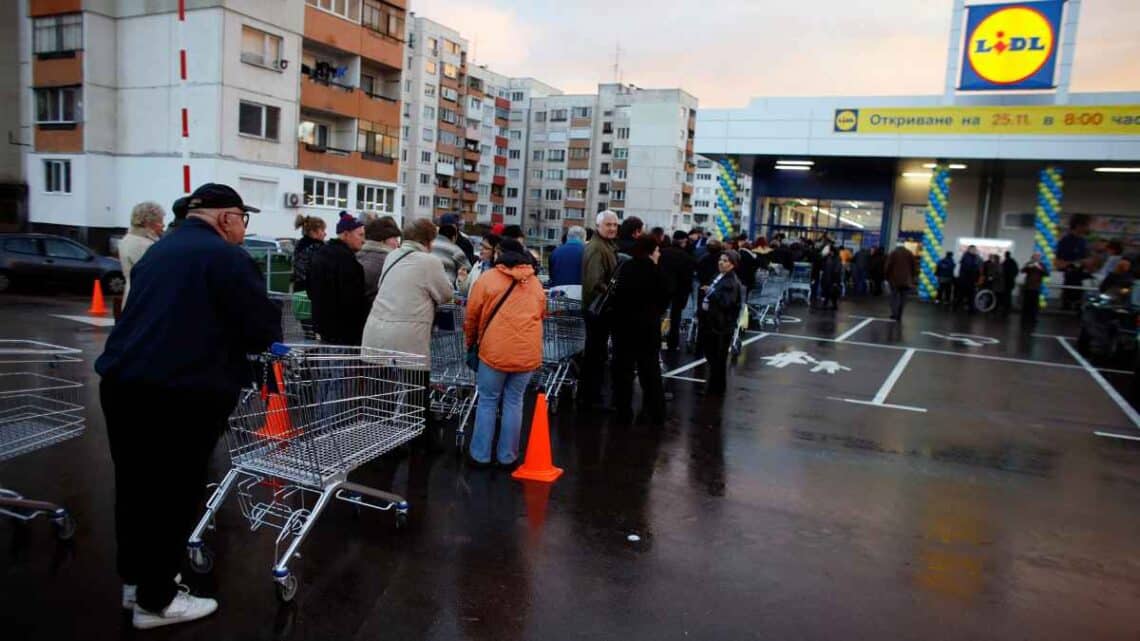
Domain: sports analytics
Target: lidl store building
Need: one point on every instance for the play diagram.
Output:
(1005, 154)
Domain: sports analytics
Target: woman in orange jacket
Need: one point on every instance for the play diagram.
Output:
(510, 348)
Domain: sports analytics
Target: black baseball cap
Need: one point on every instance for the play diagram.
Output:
(217, 196)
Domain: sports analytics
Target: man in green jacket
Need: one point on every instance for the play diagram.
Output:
(599, 261)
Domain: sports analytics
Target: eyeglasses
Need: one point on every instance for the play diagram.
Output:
(243, 215)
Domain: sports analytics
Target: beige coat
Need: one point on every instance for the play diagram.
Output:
(404, 309)
(131, 250)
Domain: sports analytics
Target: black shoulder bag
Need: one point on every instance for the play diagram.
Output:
(473, 351)
(600, 305)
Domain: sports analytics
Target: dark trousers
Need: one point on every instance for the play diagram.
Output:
(675, 310)
(1030, 301)
(594, 360)
(898, 300)
(1071, 297)
(161, 441)
(638, 349)
(716, 348)
(966, 291)
(946, 292)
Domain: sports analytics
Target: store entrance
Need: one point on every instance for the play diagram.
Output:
(851, 223)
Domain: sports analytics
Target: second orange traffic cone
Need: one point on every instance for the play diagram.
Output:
(98, 305)
(538, 464)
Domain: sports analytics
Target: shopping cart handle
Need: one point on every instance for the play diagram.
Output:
(279, 349)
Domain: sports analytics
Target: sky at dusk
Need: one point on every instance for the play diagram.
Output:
(728, 51)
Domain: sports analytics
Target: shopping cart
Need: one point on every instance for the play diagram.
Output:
(766, 300)
(334, 409)
(799, 284)
(453, 392)
(296, 317)
(39, 407)
(690, 332)
(563, 338)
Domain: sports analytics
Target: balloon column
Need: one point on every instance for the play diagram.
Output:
(727, 171)
(932, 238)
(1048, 218)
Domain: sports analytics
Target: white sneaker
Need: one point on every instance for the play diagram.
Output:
(183, 608)
(130, 593)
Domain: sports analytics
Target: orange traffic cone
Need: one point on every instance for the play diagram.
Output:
(98, 306)
(538, 464)
(277, 422)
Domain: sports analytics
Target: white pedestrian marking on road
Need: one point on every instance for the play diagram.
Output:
(97, 321)
(851, 332)
(1120, 436)
(1124, 405)
(969, 340)
(896, 373)
(830, 367)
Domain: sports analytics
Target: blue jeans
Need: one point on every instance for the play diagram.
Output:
(495, 387)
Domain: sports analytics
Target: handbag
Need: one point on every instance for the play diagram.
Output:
(473, 351)
(599, 306)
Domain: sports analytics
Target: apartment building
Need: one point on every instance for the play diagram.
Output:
(705, 187)
(624, 148)
(15, 68)
(293, 102)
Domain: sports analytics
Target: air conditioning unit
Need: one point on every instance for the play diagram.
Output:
(292, 201)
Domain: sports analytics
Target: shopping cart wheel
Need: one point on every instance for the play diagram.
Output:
(64, 525)
(287, 588)
(402, 515)
(201, 558)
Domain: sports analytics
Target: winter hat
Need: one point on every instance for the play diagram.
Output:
(449, 219)
(347, 223)
(497, 229)
(381, 229)
(512, 253)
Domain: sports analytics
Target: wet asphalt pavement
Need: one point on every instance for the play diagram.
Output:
(969, 501)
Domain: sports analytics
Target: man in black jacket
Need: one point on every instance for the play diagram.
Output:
(336, 286)
(171, 371)
(677, 266)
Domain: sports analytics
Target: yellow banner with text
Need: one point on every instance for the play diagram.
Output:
(1080, 120)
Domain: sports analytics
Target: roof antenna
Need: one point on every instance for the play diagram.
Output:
(617, 64)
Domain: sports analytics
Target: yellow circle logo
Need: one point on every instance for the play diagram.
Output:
(1010, 45)
(846, 120)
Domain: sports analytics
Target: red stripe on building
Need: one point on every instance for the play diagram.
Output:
(186, 179)
(185, 122)
(182, 10)
(182, 63)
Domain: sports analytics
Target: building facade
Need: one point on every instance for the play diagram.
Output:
(293, 102)
(705, 189)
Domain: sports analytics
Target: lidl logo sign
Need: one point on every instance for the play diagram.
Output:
(846, 120)
(1011, 46)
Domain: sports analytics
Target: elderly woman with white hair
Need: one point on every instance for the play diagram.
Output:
(146, 229)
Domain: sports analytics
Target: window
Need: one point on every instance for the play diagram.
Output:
(450, 70)
(476, 104)
(617, 194)
(429, 90)
(260, 48)
(448, 138)
(619, 174)
(516, 115)
(375, 198)
(575, 212)
(406, 132)
(326, 193)
(513, 174)
(512, 192)
(575, 194)
(27, 246)
(623, 133)
(500, 170)
(429, 67)
(376, 139)
(536, 194)
(57, 34)
(550, 233)
(553, 214)
(554, 194)
(383, 18)
(540, 116)
(556, 155)
(607, 127)
(515, 154)
(349, 9)
(500, 151)
(57, 176)
(429, 134)
(516, 96)
(425, 179)
(58, 105)
(449, 94)
(425, 157)
(57, 248)
(442, 202)
(451, 47)
(579, 154)
(558, 115)
(603, 189)
(449, 116)
(313, 133)
(538, 154)
(605, 170)
(259, 121)
(516, 134)
(484, 190)
(512, 211)
(554, 174)
(429, 112)
(621, 152)
(582, 112)
(433, 46)
(607, 148)
(425, 201)
(537, 174)
(408, 83)
(579, 174)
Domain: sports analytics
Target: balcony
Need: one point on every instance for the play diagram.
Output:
(470, 196)
(471, 176)
(499, 181)
(346, 35)
(59, 139)
(472, 155)
(445, 169)
(60, 70)
(687, 189)
(332, 98)
(578, 183)
(38, 8)
(331, 160)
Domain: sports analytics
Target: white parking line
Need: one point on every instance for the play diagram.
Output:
(687, 378)
(97, 321)
(851, 332)
(1124, 405)
(1120, 436)
(890, 406)
(881, 395)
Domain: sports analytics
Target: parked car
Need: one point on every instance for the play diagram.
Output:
(54, 260)
(274, 258)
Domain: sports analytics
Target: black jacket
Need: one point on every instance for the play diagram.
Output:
(464, 243)
(336, 287)
(707, 268)
(1010, 270)
(724, 305)
(746, 270)
(640, 298)
(197, 307)
(302, 259)
(677, 266)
